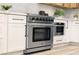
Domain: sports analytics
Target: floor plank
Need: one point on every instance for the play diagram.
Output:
(64, 50)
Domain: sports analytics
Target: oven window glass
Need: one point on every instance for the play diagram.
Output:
(60, 30)
(41, 34)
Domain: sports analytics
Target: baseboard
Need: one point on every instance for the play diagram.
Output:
(74, 43)
(14, 53)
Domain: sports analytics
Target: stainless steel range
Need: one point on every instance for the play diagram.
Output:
(39, 33)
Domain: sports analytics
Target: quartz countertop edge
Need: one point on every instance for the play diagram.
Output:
(13, 13)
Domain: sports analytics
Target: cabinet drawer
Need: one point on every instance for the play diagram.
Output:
(58, 39)
(16, 19)
(75, 23)
(2, 18)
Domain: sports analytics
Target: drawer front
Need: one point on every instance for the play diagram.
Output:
(16, 19)
(75, 23)
(3, 18)
(58, 40)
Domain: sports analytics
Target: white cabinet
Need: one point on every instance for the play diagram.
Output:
(16, 33)
(68, 31)
(2, 18)
(12, 33)
(16, 19)
(74, 31)
(58, 39)
(1, 28)
(16, 37)
(3, 39)
(3, 33)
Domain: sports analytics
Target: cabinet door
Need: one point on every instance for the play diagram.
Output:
(68, 32)
(77, 5)
(1, 28)
(16, 37)
(3, 41)
(3, 33)
(67, 5)
(75, 31)
(59, 4)
(73, 5)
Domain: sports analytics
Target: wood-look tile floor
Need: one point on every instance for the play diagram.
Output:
(64, 50)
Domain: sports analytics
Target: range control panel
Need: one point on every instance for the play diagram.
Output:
(39, 18)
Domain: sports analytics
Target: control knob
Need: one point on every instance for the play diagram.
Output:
(37, 19)
(33, 18)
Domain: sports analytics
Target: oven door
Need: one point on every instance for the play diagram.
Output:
(39, 35)
(59, 30)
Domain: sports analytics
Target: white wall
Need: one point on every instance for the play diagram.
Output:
(31, 8)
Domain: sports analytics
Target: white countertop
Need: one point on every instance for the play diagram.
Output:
(67, 19)
(12, 13)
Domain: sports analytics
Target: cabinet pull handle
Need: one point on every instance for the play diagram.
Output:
(17, 19)
(58, 40)
(25, 31)
(67, 24)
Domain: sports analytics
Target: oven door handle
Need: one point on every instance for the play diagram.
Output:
(25, 31)
(35, 24)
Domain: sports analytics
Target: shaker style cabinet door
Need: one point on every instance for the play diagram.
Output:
(3, 41)
(16, 32)
(3, 33)
(75, 31)
(67, 5)
(16, 37)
